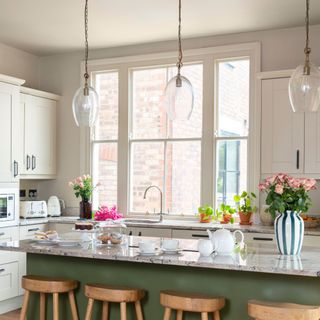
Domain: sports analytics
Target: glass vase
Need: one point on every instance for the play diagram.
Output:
(85, 209)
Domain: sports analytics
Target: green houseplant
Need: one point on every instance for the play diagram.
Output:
(205, 214)
(225, 213)
(245, 206)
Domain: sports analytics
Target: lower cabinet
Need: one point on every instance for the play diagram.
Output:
(27, 232)
(148, 232)
(9, 277)
(189, 234)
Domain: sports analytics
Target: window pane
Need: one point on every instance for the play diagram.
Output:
(233, 97)
(105, 172)
(106, 127)
(147, 168)
(191, 128)
(183, 162)
(231, 169)
(148, 113)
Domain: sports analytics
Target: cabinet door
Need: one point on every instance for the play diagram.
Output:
(40, 135)
(149, 232)
(312, 144)
(282, 132)
(9, 160)
(9, 280)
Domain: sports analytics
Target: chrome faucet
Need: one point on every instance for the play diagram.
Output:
(145, 195)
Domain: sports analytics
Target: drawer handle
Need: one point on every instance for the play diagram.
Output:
(140, 234)
(28, 162)
(33, 229)
(130, 233)
(33, 162)
(2, 270)
(2, 234)
(298, 160)
(262, 239)
(199, 236)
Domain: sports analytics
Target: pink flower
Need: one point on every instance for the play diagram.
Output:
(71, 184)
(294, 183)
(279, 189)
(281, 177)
(262, 187)
(81, 185)
(104, 213)
(79, 179)
(309, 184)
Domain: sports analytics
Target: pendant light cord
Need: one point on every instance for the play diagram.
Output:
(307, 49)
(86, 75)
(179, 63)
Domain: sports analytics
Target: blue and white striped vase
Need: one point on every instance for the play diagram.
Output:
(289, 230)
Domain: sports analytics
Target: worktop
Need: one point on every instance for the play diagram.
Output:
(256, 258)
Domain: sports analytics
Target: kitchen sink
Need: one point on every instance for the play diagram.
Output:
(133, 220)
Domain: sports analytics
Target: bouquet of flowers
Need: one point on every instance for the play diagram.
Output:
(286, 193)
(83, 187)
(105, 213)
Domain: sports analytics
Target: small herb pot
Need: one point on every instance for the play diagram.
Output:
(245, 218)
(204, 218)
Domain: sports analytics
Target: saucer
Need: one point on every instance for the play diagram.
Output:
(149, 254)
(171, 251)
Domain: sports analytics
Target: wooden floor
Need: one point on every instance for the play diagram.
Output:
(13, 315)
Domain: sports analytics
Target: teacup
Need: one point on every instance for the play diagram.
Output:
(147, 247)
(170, 244)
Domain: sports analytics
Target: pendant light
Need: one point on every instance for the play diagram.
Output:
(304, 84)
(178, 96)
(85, 101)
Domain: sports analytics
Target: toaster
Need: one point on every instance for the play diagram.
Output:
(33, 209)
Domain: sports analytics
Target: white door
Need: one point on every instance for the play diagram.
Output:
(40, 135)
(312, 144)
(9, 132)
(282, 132)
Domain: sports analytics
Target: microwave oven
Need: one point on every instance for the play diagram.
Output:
(9, 200)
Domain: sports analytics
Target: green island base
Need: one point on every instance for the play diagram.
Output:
(236, 286)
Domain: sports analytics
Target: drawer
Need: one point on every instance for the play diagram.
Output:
(9, 234)
(311, 241)
(189, 234)
(252, 237)
(27, 232)
(149, 232)
(9, 280)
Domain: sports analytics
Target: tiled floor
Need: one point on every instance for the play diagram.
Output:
(14, 315)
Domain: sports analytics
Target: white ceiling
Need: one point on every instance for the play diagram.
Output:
(45, 27)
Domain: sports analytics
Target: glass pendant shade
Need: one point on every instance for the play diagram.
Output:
(85, 106)
(179, 98)
(304, 90)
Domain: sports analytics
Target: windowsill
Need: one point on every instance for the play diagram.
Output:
(190, 218)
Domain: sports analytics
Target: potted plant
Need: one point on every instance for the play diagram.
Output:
(205, 214)
(245, 206)
(287, 197)
(83, 188)
(225, 213)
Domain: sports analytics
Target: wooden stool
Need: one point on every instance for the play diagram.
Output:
(106, 294)
(45, 285)
(191, 302)
(261, 310)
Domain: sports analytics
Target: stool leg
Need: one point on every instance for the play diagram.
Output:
(167, 314)
(89, 309)
(105, 310)
(56, 306)
(42, 306)
(25, 305)
(73, 306)
(204, 316)
(216, 315)
(179, 314)
(123, 311)
(137, 305)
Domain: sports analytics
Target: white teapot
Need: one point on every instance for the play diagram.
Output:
(224, 241)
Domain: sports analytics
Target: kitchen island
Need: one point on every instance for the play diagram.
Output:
(258, 273)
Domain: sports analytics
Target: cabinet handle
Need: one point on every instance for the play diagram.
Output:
(199, 236)
(130, 233)
(140, 234)
(28, 162)
(15, 168)
(33, 229)
(262, 239)
(2, 270)
(298, 160)
(2, 234)
(34, 164)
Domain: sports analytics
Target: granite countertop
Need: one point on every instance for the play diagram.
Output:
(173, 224)
(257, 258)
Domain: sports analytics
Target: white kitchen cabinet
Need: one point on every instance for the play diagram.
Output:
(149, 232)
(38, 115)
(189, 234)
(282, 130)
(9, 278)
(9, 129)
(27, 232)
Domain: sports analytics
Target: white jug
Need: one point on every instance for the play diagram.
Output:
(224, 241)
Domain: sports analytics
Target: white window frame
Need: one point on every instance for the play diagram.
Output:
(208, 57)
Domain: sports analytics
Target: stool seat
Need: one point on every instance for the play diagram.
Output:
(191, 302)
(47, 284)
(263, 310)
(110, 293)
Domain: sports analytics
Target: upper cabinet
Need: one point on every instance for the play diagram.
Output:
(38, 120)
(10, 159)
(290, 142)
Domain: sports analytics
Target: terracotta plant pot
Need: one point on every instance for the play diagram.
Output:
(204, 218)
(245, 218)
(226, 217)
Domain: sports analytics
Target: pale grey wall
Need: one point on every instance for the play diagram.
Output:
(281, 49)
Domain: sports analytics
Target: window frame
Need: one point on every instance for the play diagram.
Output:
(208, 57)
